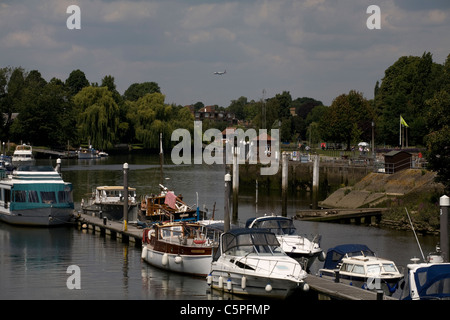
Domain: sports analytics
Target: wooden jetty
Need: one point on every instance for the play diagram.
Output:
(357, 216)
(115, 229)
(326, 289)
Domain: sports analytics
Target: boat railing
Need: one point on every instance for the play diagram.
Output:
(269, 265)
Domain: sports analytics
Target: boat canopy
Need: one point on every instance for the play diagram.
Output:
(242, 239)
(433, 281)
(335, 255)
(278, 225)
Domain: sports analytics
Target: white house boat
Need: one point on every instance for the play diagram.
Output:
(357, 265)
(251, 262)
(296, 246)
(35, 196)
(23, 155)
(108, 201)
(179, 247)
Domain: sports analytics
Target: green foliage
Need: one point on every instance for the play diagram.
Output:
(98, 119)
(407, 84)
(348, 119)
(150, 117)
(437, 141)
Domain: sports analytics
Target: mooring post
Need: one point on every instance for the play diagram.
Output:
(284, 182)
(226, 214)
(235, 183)
(444, 204)
(58, 166)
(125, 196)
(315, 181)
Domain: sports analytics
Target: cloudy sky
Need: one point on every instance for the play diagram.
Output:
(312, 48)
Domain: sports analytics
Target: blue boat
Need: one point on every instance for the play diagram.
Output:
(357, 265)
(35, 196)
(427, 281)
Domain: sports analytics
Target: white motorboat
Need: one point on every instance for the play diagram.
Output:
(296, 246)
(357, 265)
(108, 202)
(251, 262)
(23, 155)
(179, 247)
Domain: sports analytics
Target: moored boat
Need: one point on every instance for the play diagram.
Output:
(427, 281)
(357, 265)
(251, 262)
(297, 246)
(181, 247)
(108, 201)
(166, 206)
(23, 155)
(35, 196)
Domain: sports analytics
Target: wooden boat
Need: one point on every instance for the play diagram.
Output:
(167, 206)
(179, 247)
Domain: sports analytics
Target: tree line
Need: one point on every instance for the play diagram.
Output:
(75, 111)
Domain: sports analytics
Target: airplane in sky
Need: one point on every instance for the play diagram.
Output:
(220, 72)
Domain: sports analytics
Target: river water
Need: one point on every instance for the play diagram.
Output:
(34, 262)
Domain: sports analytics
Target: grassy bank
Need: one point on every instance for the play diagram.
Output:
(422, 206)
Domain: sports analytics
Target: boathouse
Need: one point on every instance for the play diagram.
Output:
(397, 160)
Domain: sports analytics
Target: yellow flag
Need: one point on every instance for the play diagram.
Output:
(403, 122)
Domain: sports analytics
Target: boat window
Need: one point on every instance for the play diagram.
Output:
(20, 196)
(440, 287)
(48, 196)
(64, 196)
(33, 196)
(347, 267)
(358, 269)
(373, 269)
(389, 267)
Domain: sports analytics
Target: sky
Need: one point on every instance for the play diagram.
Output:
(311, 48)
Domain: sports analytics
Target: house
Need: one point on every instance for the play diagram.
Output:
(210, 113)
(397, 160)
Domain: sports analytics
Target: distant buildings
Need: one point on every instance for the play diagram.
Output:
(210, 113)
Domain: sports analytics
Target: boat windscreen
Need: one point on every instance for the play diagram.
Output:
(279, 227)
(233, 240)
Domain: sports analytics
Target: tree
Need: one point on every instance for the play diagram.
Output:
(348, 119)
(437, 141)
(76, 81)
(98, 118)
(407, 84)
(138, 90)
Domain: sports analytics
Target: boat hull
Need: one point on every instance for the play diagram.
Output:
(196, 265)
(41, 217)
(255, 285)
(387, 284)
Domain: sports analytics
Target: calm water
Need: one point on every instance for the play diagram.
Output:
(34, 262)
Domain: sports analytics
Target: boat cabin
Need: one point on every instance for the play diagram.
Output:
(34, 187)
(336, 254)
(244, 242)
